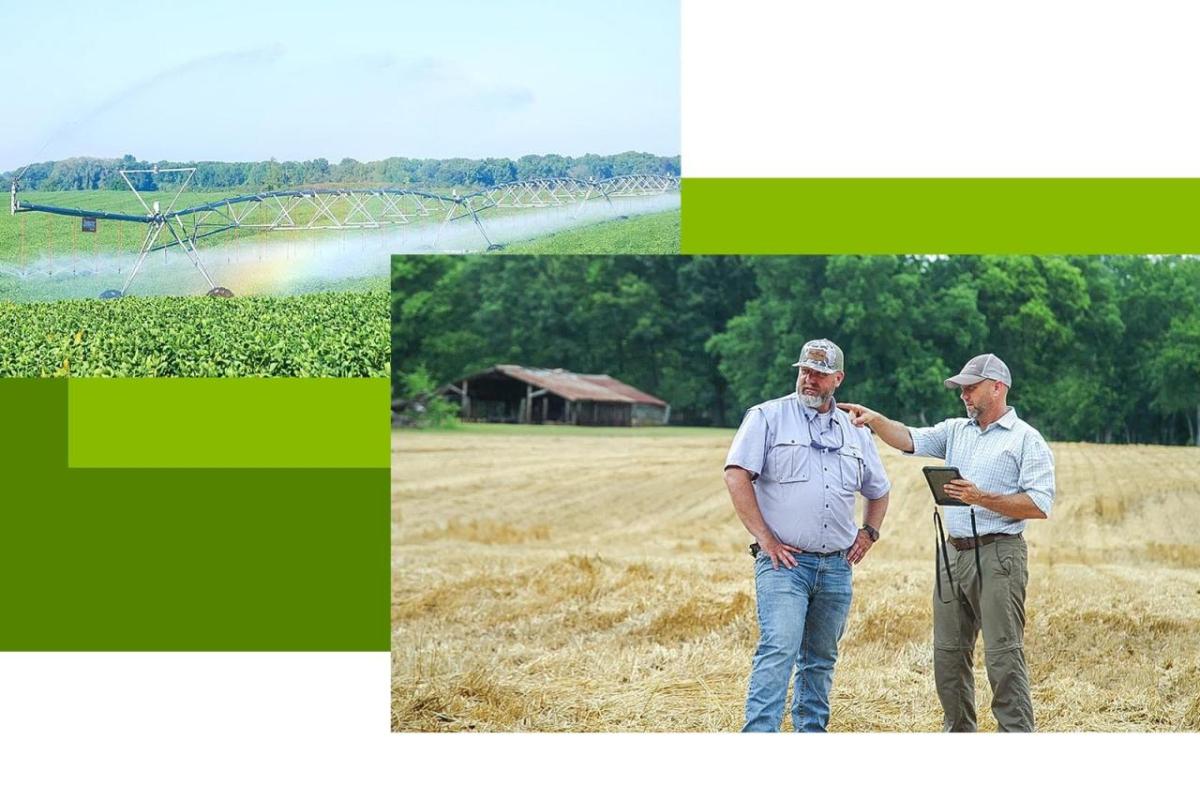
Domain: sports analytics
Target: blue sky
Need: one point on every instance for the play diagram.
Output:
(240, 81)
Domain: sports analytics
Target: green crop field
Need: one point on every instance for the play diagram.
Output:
(154, 280)
(339, 334)
(649, 233)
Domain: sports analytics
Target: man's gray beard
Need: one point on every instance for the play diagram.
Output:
(973, 412)
(813, 401)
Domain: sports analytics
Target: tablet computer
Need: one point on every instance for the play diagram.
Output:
(937, 476)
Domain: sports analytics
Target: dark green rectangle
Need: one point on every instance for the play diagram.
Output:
(186, 559)
(228, 422)
(941, 215)
(198, 560)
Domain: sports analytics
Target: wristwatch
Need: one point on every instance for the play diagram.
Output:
(872, 532)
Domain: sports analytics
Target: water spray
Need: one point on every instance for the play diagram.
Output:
(314, 209)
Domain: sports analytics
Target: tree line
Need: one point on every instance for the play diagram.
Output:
(94, 173)
(1102, 348)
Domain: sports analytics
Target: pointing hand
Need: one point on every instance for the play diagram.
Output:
(859, 415)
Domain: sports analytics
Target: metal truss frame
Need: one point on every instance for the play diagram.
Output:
(344, 209)
(162, 220)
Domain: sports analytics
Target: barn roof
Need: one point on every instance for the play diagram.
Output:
(576, 386)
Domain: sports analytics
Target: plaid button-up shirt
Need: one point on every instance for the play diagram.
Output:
(1007, 458)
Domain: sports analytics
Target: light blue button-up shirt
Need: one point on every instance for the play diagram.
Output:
(1008, 457)
(805, 491)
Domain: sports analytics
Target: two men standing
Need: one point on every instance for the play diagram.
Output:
(1008, 476)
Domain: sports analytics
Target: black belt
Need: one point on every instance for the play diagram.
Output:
(965, 544)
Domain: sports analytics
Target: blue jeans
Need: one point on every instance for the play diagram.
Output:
(802, 614)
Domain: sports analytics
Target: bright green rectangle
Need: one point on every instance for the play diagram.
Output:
(228, 422)
(941, 215)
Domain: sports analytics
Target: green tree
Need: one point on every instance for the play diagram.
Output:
(418, 403)
(1176, 367)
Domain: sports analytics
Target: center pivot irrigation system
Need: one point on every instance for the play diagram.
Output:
(336, 209)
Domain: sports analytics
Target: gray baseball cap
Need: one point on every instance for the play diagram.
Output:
(981, 368)
(821, 355)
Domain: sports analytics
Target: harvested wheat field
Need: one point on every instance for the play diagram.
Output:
(583, 580)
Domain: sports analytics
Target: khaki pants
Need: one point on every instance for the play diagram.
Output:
(999, 610)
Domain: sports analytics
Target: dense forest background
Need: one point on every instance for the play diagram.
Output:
(93, 173)
(1102, 348)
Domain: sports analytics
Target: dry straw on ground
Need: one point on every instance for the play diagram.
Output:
(600, 583)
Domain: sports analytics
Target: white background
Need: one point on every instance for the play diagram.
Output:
(834, 88)
(264, 726)
(1020, 88)
(205, 726)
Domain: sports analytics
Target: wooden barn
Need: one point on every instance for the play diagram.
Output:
(509, 393)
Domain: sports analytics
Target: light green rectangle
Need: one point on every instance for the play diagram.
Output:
(228, 422)
(941, 215)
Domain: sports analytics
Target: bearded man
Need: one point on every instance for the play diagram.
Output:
(792, 473)
(1008, 476)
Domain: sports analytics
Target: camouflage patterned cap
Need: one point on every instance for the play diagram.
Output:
(821, 355)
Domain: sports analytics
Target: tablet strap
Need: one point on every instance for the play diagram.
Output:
(940, 548)
(975, 534)
(939, 544)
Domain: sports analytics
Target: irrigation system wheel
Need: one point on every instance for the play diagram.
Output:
(111, 294)
(219, 292)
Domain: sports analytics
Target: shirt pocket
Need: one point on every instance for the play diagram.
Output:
(851, 459)
(788, 458)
